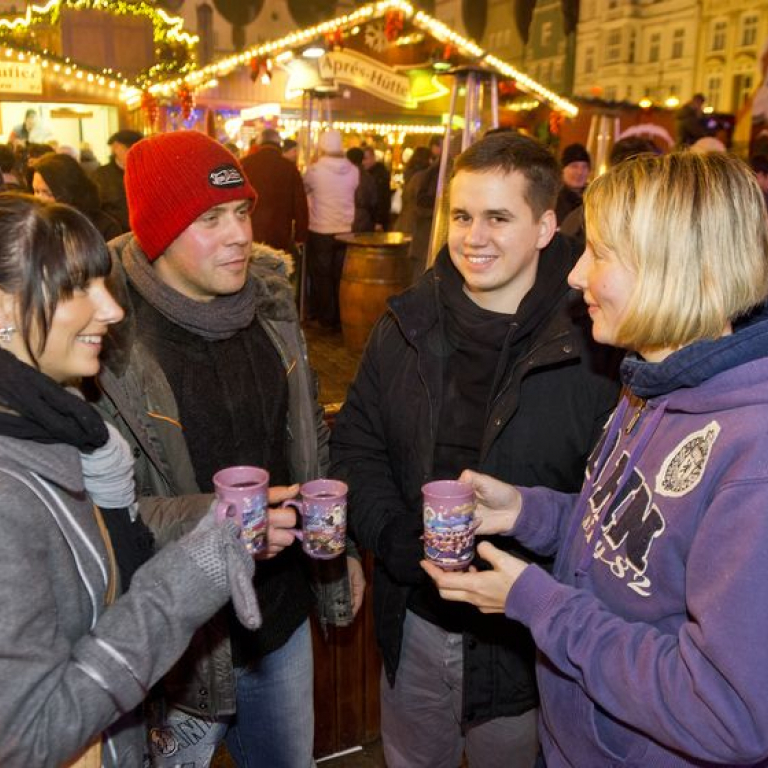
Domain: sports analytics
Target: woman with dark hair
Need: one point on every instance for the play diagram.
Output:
(61, 178)
(76, 657)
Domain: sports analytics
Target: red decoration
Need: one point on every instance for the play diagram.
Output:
(393, 24)
(507, 89)
(261, 68)
(334, 41)
(186, 100)
(150, 108)
(556, 120)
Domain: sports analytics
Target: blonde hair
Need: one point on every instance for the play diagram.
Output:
(693, 229)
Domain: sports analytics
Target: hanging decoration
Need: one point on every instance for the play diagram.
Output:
(394, 20)
(507, 89)
(151, 109)
(334, 40)
(556, 120)
(261, 69)
(186, 100)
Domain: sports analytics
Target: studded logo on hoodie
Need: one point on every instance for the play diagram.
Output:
(682, 470)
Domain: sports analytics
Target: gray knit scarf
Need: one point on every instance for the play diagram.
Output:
(215, 320)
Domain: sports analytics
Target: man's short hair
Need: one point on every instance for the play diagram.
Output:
(7, 159)
(355, 155)
(508, 152)
(629, 147)
(126, 137)
(271, 136)
(693, 229)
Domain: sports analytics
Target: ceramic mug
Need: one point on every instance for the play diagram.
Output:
(449, 524)
(323, 510)
(241, 493)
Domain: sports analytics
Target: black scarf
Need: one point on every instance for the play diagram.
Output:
(35, 407)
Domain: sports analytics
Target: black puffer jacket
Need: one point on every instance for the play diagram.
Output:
(546, 417)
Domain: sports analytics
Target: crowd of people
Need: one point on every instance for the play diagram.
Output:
(589, 356)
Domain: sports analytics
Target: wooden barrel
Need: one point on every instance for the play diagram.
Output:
(376, 267)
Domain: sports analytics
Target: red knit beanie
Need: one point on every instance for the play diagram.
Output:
(171, 179)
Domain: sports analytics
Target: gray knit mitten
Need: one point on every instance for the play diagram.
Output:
(219, 553)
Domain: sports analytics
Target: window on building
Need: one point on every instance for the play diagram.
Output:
(654, 47)
(714, 87)
(610, 93)
(589, 61)
(557, 72)
(631, 47)
(613, 4)
(719, 32)
(749, 29)
(742, 90)
(678, 43)
(629, 93)
(613, 46)
(546, 33)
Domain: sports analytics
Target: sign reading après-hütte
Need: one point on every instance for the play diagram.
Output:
(360, 71)
(20, 77)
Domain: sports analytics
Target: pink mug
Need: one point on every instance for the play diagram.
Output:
(323, 509)
(449, 524)
(241, 493)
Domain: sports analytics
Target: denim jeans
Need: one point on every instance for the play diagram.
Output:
(275, 721)
(421, 714)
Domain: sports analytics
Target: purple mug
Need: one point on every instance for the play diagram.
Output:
(449, 524)
(323, 509)
(241, 493)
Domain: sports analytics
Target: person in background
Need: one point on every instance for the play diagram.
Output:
(624, 149)
(22, 133)
(80, 643)
(213, 343)
(689, 121)
(487, 363)
(330, 184)
(759, 166)
(280, 216)
(382, 177)
(417, 163)
(365, 194)
(109, 177)
(61, 178)
(10, 180)
(576, 165)
(291, 151)
(88, 159)
(651, 649)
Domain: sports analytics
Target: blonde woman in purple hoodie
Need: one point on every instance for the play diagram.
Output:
(652, 628)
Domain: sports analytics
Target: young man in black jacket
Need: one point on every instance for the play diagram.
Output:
(486, 363)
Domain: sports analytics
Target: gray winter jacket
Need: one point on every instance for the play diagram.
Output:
(70, 667)
(136, 396)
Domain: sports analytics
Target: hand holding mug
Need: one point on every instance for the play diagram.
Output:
(498, 503)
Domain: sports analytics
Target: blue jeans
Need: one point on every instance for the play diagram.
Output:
(275, 722)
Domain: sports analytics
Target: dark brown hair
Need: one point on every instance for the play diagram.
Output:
(47, 252)
(508, 152)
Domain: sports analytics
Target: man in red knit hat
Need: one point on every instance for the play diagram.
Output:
(216, 377)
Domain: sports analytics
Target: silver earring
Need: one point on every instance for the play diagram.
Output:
(7, 333)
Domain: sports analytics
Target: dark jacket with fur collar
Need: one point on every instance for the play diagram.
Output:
(135, 395)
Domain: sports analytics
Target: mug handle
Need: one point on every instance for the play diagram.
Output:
(222, 511)
(299, 507)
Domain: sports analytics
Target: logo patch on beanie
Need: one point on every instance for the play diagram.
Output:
(226, 176)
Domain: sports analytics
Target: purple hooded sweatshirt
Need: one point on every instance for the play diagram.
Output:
(653, 631)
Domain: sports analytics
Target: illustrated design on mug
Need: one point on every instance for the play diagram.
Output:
(449, 524)
(241, 493)
(325, 531)
(323, 510)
